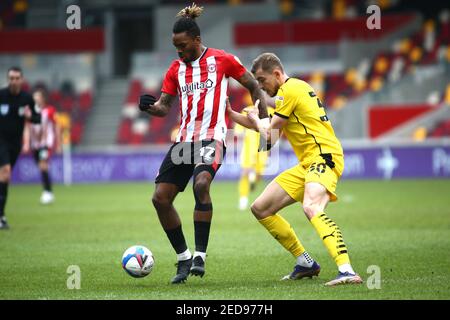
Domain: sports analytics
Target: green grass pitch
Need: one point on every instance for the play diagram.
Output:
(403, 227)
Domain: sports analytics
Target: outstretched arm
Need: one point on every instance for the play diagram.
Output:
(269, 133)
(249, 82)
(159, 108)
(239, 118)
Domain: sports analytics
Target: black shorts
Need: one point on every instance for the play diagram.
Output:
(9, 151)
(41, 154)
(182, 158)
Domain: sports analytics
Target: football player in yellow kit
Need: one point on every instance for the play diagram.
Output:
(301, 117)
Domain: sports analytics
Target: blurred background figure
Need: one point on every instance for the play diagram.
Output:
(16, 107)
(43, 140)
(252, 162)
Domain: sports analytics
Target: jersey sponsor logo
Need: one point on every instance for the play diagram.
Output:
(189, 88)
(4, 108)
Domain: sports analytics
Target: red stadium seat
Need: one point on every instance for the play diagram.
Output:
(85, 101)
(55, 97)
(124, 134)
(76, 132)
(67, 103)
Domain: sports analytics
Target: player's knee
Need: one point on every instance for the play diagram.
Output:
(161, 200)
(5, 174)
(201, 188)
(258, 210)
(311, 209)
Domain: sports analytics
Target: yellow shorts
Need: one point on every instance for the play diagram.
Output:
(294, 179)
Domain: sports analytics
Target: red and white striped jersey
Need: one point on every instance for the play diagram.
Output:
(202, 88)
(44, 134)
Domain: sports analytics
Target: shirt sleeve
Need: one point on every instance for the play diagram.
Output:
(170, 83)
(285, 104)
(52, 114)
(234, 67)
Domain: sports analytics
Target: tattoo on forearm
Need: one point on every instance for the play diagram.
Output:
(166, 100)
(251, 84)
(162, 106)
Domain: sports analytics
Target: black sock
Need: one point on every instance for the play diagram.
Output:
(46, 181)
(201, 235)
(3, 196)
(176, 238)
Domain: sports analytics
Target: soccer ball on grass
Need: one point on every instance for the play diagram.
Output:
(138, 261)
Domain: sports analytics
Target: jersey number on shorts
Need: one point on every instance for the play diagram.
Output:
(207, 153)
(320, 168)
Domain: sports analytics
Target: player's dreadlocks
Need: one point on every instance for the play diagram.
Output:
(186, 22)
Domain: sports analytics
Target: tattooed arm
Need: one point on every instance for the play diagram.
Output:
(161, 107)
(249, 82)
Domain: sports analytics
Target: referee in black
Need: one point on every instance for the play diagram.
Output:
(16, 106)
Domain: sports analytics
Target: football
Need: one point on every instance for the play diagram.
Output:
(138, 261)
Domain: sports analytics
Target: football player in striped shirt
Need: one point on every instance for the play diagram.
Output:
(200, 78)
(43, 140)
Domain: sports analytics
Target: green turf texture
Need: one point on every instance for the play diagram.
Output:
(403, 227)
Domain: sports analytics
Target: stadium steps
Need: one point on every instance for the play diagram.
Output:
(101, 127)
(428, 121)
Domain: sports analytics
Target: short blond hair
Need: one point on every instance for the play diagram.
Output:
(267, 62)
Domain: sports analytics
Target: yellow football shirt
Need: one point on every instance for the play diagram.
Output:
(308, 129)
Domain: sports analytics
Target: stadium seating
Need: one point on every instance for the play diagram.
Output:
(441, 130)
(334, 89)
(12, 13)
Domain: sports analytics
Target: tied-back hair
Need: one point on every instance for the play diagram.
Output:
(267, 62)
(186, 22)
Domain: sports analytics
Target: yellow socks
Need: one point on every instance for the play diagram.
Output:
(332, 238)
(244, 186)
(282, 231)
